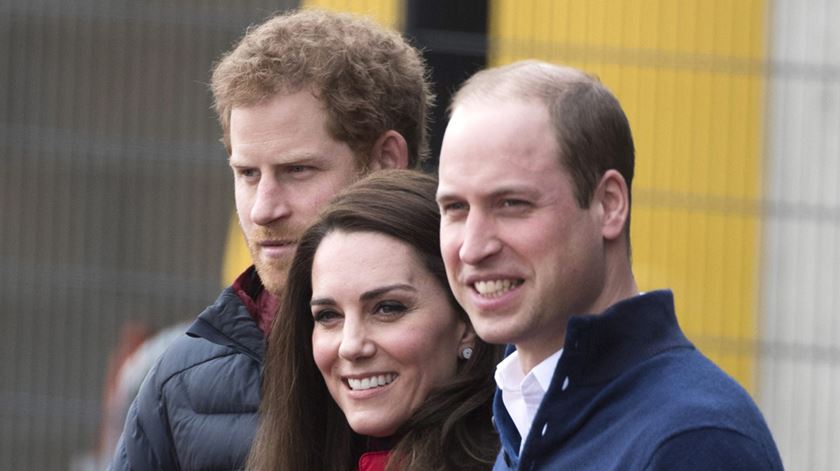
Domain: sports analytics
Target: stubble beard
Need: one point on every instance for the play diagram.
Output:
(273, 272)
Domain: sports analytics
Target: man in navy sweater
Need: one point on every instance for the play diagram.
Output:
(535, 175)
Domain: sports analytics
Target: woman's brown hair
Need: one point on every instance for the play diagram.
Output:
(302, 427)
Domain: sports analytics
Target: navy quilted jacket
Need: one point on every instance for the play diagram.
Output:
(197, 408)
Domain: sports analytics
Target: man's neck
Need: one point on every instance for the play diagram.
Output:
(533, 351)
(530, 357)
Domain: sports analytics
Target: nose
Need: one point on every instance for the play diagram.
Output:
(480, 239)
(355, 343)
(270, 202)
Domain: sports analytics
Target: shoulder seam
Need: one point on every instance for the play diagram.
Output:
(198, 363)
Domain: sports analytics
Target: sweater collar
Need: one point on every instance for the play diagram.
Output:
(600, 347)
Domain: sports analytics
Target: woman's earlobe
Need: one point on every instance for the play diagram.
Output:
(467, 344)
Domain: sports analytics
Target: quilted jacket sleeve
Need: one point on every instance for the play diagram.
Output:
(146, 442)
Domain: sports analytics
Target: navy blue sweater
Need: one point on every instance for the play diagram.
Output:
(639, 396)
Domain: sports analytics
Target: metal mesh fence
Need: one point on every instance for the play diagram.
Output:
(114, 194)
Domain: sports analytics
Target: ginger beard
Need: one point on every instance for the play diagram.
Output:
(273, 270)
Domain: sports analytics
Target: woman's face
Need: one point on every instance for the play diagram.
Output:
(385, 334)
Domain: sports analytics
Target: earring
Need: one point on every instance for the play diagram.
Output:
(466, 353)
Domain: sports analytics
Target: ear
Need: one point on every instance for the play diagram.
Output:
(389, 151)
(614, 198)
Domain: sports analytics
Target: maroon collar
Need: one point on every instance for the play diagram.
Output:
(260, 303)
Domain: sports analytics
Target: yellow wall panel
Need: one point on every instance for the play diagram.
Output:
(236, 256)
(386, 12)
(722, 28)
(708, 258)
(688, 75)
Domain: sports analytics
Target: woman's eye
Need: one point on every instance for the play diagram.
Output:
(325, 316)
(454, 207)
(391, 308)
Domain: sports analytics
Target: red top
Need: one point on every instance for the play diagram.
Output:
(373, 461)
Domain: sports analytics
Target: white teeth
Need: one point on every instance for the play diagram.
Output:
(371, 382)
(495, 288)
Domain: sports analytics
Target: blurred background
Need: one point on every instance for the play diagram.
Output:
(116, 204)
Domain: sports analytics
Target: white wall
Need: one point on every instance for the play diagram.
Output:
(800, 290)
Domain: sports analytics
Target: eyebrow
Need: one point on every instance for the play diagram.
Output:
(322, 302)
(367, 295)
(300, 158)
(496, 193)
(385, 289)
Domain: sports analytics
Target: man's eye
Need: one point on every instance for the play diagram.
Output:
(299, 168)
(247, 172)
(513, 203)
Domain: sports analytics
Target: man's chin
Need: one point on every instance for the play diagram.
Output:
(273, 276)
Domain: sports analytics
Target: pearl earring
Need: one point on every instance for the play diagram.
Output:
(466, 353)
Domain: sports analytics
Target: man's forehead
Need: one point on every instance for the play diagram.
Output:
(520, 176)
(497, 176)
(499, 166)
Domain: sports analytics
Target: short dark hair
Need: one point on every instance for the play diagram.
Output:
(369, 78)
(302, 427)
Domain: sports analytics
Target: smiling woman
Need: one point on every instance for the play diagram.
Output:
(372, 362)
(384, 338)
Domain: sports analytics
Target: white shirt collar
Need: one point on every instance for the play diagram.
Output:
(544, 371)
(522, 393)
